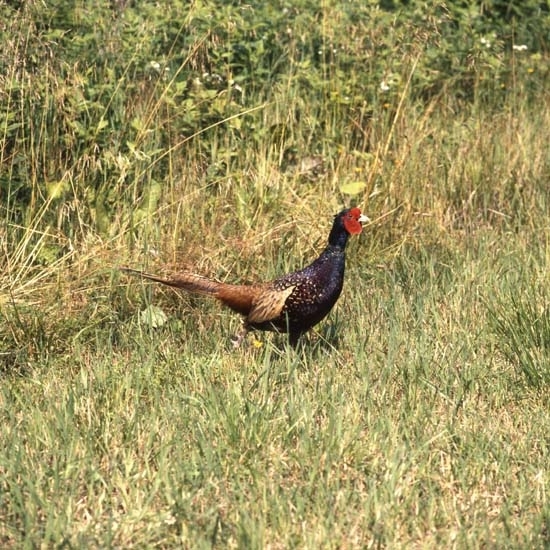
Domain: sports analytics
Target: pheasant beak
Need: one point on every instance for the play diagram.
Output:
(363, 219)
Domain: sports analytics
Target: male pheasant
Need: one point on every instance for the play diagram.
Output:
(292, 303)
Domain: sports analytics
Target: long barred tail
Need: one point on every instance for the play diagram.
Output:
(186, 281)
(239, 298)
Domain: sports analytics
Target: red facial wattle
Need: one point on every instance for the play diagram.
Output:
(352, 221)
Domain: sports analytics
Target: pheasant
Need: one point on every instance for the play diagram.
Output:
(291, 304)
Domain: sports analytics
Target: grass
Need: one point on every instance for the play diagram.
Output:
(416, 415)
(414, 431)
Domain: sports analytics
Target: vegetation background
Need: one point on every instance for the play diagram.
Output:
(222, 137)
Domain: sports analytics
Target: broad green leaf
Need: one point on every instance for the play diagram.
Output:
(56, 189)
(353, 187)
(153, 316)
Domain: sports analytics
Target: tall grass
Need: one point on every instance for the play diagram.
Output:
(415, 416)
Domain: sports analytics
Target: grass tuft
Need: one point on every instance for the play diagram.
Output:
(521, 322)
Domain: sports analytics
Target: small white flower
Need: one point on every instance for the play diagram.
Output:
(170, 519)
(485, 42)
(384, 86)
(154, 65)
(519, 47)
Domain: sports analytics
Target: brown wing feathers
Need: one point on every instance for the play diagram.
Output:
(269, 304)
